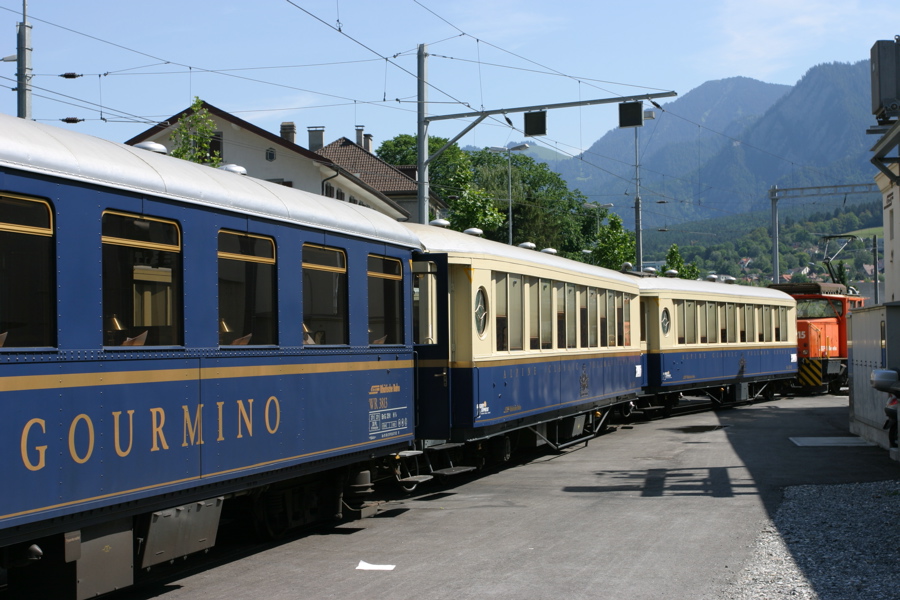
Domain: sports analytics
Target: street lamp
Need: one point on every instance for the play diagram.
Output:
(595, 205)
(509, 152)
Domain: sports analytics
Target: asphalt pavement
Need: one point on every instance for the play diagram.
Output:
(661, 509)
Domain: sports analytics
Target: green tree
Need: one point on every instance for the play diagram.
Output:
(474, 208)
(676, 262)
(193, 134)
(545, 211)
(450, 177)
(615, 245)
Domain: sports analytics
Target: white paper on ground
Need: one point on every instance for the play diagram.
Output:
(367, 567)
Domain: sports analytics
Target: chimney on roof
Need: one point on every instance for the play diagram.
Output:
(359, 135)
(367, 143)
(288, 131)
(316, 138)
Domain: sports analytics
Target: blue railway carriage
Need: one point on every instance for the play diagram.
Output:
(728, 342)
(173, 336)
(517, 346)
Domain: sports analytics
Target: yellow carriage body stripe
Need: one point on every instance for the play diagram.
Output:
(237, 470)
(74, 380)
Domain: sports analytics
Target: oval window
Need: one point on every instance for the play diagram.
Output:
(481, 311)
(665, 321)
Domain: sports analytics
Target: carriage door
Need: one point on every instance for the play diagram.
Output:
(431, 334)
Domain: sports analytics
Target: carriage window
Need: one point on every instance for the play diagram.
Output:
(690, 321)
(702, 321)
(501, 309)
(534, 313)
(546, 314)
(751, 322)
(425, 305)
(626, 319)
(611, 318)
(247, 290)
(766, 333)
(592, 317)
(620, 319)
(560, 314)
(604, 320)
(781, 331)
(516, 313)
(27, 274)
(731, 320)
(679, 321)
(385, 300)
(141, 281)
(325, 303)
(582, 316)
(712, 321)
(571, 337)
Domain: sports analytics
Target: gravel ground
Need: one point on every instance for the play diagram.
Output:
(835, 542)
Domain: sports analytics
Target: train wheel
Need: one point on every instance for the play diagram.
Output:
(271, 515)
(501, 449)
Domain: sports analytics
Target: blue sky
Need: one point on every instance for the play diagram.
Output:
(277, 60)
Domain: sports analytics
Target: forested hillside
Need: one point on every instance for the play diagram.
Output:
(746, 251)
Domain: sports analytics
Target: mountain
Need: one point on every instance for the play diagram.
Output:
(717, 150)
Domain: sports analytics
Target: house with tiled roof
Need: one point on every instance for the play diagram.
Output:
(397, 183)
(277, 158)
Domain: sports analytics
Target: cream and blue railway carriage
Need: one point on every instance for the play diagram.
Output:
(517, 340)
(172, 334)
(731, 342)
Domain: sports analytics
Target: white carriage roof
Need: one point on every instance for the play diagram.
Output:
(49, 150)
(707, 288)
(438, 239)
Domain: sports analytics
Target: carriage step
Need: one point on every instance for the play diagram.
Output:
(447, 446)
(653, 408)
(409, 453)
(452, 471)
(416, 479)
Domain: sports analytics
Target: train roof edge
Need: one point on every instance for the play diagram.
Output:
(439, 239)
(48, 150)
(812, 287)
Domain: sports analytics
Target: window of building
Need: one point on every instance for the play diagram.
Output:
(385, 300)
(27, 273)
(217, 144)
(325, 303)
(247, 290)
(142, 298)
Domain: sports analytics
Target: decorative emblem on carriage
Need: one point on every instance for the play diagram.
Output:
(584, 381)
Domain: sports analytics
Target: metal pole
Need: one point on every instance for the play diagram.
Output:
(23, 65)
(509, 189)
(875, 256)
(776, 272)
(639, 258)
(422, 137)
